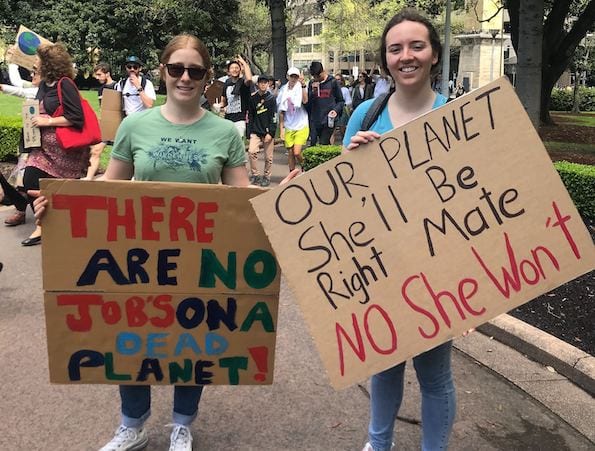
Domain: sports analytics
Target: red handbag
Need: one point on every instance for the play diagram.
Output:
(71, 138)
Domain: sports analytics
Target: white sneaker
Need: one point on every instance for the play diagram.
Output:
(127, 439)
(368, 447)
(180, 438)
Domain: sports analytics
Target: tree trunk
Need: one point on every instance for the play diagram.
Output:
(279, 38)
(529, 75)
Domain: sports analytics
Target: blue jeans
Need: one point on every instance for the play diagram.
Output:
(136, 404)
(438, 402)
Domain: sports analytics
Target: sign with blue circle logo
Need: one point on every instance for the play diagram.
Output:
(28, 42)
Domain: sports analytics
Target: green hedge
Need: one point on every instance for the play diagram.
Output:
(562, 99)
(10, 134)
(579, 179)
(314, 156)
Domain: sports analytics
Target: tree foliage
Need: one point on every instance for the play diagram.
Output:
(117, 27)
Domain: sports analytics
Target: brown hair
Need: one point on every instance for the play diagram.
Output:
(103, 67)
(55, 62)
(183, 41)
(411, 15)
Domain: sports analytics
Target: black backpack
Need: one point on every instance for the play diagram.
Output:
(122, 82)
(374, 111)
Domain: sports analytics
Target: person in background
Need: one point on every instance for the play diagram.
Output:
(54, 65)
(236, 93)
(363, 90)
(382, 84)
(325, 104)
(262, 128)
(410, 51)
(11, 195)
(138, 92)
(103, 74)
(460, 90)
(346, 94)
(341, 122)
(293, 117)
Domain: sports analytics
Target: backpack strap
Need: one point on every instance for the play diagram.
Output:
(374, 111)
(122, 82)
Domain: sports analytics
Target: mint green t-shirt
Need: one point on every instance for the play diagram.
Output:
(166, 152)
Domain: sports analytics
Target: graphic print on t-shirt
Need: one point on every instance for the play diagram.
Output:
(234, 102)
(175, 153)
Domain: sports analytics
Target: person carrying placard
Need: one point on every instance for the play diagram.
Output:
(410, 52)
(200, 148)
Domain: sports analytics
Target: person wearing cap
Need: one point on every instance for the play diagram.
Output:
(293, 117)
(138, 92)
(325, 104)
(261, 129)
(236, 97)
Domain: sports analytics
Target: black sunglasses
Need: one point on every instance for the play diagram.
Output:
(177, 70)
(132, 66)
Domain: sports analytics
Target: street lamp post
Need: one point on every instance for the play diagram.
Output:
(446, 54)
(494, 33)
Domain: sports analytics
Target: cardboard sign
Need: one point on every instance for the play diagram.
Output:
(157, 283)
(25, 49)
(31, 134)
(111, 114)
(214, 92)
(434, 229)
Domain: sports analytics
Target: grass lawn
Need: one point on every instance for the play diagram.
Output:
(556, 146)
(582, 119)
(11, 105)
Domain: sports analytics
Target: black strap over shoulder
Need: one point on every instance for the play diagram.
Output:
(374, 111)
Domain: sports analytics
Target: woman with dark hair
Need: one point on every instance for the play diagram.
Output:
(362, 90)
(410, 51)
(50, 161)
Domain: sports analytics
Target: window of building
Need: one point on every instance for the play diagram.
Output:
(317, 29)
(305, 48)
(305, 31)
(317, 47)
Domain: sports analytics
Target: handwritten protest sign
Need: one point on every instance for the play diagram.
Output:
(31, 134)
(437, 227)
(155, 283)
(25, 48)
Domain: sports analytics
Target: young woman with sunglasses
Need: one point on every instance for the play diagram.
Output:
(410, 51)
(177, 142)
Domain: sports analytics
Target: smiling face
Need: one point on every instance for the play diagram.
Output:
(409, 54)
(234, 70)
(184, 89)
